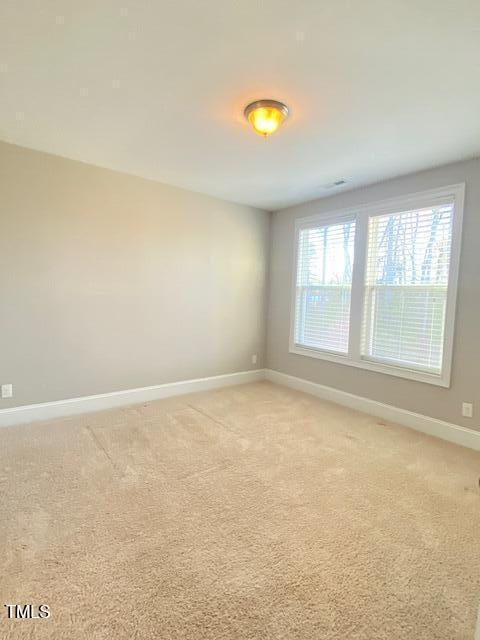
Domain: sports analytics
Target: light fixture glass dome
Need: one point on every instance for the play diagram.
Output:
(265, 116)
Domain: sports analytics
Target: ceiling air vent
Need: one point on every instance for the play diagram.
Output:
(338, 183)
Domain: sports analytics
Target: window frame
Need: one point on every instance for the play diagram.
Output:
(361, 215)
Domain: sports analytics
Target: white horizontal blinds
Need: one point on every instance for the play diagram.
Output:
(408, 264)
(323, 286)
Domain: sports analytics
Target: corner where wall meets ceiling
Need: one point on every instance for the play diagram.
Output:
(158, 90)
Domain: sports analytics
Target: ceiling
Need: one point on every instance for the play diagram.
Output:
(157, 88)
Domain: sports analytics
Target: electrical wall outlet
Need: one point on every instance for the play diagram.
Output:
(7, 390)
(254, 358)
(467, 409)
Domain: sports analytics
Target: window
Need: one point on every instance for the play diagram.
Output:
(375, 287)
(406, 287)
(324, 282)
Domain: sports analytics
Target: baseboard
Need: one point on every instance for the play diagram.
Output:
(445, 430)
(100, 402)
(74, 406)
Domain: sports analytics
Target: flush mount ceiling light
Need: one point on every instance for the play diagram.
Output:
(265, 116)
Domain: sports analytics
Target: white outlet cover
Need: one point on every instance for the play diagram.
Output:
(254, 358)
(467, 409)
(7, 390)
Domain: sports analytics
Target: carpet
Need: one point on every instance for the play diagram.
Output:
(250, 512)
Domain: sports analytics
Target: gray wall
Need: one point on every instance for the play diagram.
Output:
(414, 396)
(110, 282)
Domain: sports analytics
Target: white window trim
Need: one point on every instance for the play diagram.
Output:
(361, 213)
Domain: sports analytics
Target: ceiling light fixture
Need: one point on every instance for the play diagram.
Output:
(265, 116)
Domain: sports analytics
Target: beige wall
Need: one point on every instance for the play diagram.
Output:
(111, 282)
(414, 396)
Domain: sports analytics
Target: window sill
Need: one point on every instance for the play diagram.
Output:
(398, 372)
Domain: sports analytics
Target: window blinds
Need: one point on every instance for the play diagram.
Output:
(408, 263)
(323, 286)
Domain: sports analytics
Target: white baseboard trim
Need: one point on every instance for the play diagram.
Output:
(74, 406)
(445, 430)
(102, 401)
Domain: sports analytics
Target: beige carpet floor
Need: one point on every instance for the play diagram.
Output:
(249, 512)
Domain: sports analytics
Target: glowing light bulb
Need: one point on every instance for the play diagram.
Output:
(265, 116)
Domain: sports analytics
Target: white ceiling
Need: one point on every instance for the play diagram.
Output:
(156, 88)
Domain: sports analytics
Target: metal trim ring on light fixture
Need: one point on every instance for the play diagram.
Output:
(268, 104)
